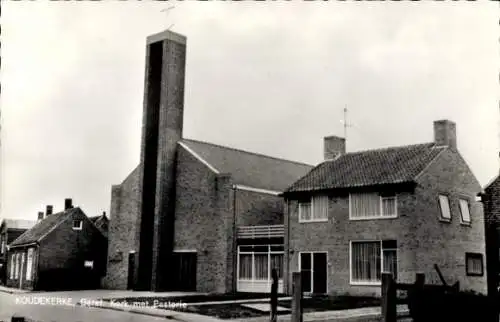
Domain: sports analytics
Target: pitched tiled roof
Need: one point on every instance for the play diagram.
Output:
(43, 227)
(18, 223)
(367, 168)
(249, 169)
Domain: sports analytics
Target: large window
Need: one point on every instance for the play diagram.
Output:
(474, 264)
(372, 205)
(370, 259)
(257, 262)
(313, 209)
(2, 250)
(444, 205)
(29, 264)
(16, 271)
(465, 211)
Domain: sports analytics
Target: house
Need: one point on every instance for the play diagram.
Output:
(398, 210)
(194, 215)
(62, 251)
(10, 229)
(101, 222)
(490, 197)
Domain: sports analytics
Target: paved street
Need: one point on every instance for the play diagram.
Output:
(61, 312)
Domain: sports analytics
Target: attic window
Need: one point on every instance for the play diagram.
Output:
(444, 205)
(77, 224)
(465, 211)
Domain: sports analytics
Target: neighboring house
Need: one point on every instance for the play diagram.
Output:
(63, 251)
(194, 215)
(398, 210)
(102, 223)
(10, 229)
(491, 201)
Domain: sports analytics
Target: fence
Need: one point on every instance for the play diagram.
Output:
(436, 303)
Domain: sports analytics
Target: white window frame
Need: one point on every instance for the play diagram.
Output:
(441, 217)
(17, 266)
(312, 267)
(464, 222)
(382, 270)
(311, 202)
(78, 227)
(269, 253)
(381, 209)
(29, 264)
(474, 256)
(89, 264)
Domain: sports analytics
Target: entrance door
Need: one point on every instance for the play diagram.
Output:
(131, 271)
(313, 267)
(184, 271)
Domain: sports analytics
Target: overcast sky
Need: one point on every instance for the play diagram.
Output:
(268, 77)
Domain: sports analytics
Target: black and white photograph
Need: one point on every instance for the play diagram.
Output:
(250, 161)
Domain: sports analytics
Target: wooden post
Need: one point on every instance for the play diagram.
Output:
(296, 297)
(388, 298)
(274, 295)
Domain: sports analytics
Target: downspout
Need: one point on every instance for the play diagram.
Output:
(235, 247)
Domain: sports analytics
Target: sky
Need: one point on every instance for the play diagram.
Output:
(268, 77)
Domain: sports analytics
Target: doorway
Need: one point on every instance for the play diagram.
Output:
(131, 271)
(313, 268)
(184, 271)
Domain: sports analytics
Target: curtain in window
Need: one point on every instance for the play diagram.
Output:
(475, 265)
(390, 264)
(365, 205)
(245, 266)
(389, 206)
(366, 261)
(261, 266)
(29, 264)
(320, 205)
(277, 263)
(305, 210)
(12, 266)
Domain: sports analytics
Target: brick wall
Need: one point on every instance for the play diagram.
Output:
(20, 281)
(445, 243)
(123, 235)
(422, 239)
(198, 225)
(491, 201)
(334, 237)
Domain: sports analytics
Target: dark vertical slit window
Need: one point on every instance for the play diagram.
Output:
(305, 269)
(150, 161)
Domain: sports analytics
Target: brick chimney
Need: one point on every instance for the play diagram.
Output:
(445, 133)
(333, 147)
(68, 203)
(48, 210)
(40, 215)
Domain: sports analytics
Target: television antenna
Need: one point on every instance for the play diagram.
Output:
(346, 123)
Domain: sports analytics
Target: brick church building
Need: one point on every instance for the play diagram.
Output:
(192, 215)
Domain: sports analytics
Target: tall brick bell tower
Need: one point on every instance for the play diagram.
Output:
(161, 130)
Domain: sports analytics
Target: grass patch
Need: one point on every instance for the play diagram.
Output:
(195, 298)
(333, 303)
(226, 311)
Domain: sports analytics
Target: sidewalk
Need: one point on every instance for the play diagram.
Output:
(339, 315)
(12, 290)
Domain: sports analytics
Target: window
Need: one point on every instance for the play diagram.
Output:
(444, 205)
(465, 211)
(372, 205)
(3, 246)
(89, 264)
(314, 209)
(77, 224)
(29, 264)
(474, 264)
(370, 259)
(255, 264)
(12, 266)
(16, 271)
